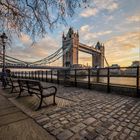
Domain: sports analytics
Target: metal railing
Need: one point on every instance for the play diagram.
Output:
(126, 77)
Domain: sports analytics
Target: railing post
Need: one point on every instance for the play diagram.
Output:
(137, 82)
(57, 76)
(38, 75)
(89, 86)
(29, 75)
(98, 72)
(42, 75)
(33, 74)
(75, 78)
(51, 75)
(18, 74)
(108, 80)
(25, 75)
(46, 76)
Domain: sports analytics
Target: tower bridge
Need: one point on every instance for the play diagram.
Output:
(71, 41)
(69, 52)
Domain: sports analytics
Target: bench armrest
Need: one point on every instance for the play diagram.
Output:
(55, 89)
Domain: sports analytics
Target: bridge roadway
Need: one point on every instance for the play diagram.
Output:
(34, 67)
(90, 115)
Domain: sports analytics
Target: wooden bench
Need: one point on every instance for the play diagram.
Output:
(35, 87)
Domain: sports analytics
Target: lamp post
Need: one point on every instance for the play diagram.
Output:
(3, 40)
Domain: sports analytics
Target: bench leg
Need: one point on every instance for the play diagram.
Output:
(19, 93)
(41, 99)
(54, 100)
(12, 89)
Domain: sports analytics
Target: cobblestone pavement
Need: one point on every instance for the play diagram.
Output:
(93, 116)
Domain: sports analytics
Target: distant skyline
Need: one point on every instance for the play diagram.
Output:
(116, 23)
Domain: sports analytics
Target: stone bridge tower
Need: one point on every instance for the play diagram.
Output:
(70, 44)
(98, 58)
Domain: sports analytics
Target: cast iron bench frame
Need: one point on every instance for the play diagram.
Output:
(35, 87)
(13, 83)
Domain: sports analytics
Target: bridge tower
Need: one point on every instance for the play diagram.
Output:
(70, 44)
(98, 58)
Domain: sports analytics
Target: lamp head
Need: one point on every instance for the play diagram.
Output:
(3, 38)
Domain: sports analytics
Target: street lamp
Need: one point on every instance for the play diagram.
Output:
(3, 41)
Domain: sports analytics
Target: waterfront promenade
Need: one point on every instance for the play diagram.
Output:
(80, 114)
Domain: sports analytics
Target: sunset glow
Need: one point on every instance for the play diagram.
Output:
(114, 23)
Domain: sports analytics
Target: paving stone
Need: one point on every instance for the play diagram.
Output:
(119, 128)
(105, 132)
(112, 127)
(78, 127)
(77, 137)
(42, 120)
(100, 138)
(64, 122)
(57, 131)
(89, 121)
(103, 119)
(134, 121)
(130, 125)
(66, 134)
(57, 125)
(47, 125)
(113, 136)
(78, 120)
(99, 129)
(61, 119)
(137, 128)
(54, 115)
(55, 122)
(127, 131)
(91, 136)
(130, 138)
(83, 133)
(98, 116)
(123, 124)
(133, 133)
(50, 129)
(86, 116)
(123, 137)
(90, 128)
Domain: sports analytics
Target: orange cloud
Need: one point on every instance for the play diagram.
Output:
(123, 49)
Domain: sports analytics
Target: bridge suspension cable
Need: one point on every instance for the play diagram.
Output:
(47, 60)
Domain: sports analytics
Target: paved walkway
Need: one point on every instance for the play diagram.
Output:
(90, 115)
(16, 125)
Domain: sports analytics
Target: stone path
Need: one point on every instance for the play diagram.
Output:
(16, 125)
(92, 116)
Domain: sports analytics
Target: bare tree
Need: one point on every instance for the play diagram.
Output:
(35, 17)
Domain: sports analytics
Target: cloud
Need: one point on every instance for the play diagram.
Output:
(24, 50)
(89, 12)
(87, 35)
(109, 5)
(123, 49)
(99, 5)
(134, 18)
(85, 28)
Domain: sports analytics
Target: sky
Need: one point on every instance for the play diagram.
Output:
(115, 23)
